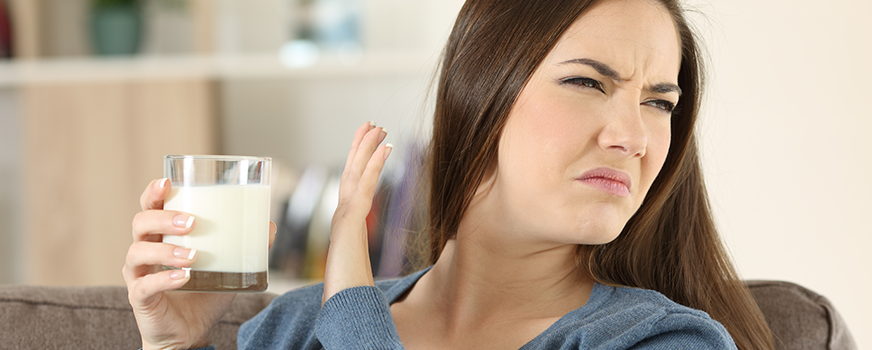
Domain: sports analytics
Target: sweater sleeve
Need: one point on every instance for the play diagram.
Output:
(357, 318)
(686, 331)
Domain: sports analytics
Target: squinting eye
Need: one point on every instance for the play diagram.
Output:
(666, 106)
(584, 82)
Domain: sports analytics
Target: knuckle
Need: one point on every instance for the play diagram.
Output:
(125, 273)
(138, 220)
(135, 221)
(144, 198)
(131, 253)
(140, 289)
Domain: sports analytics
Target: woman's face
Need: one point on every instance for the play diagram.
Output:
(591, 130)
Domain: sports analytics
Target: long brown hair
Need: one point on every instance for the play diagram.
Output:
(670, 245)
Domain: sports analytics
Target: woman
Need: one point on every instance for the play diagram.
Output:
(564, 187)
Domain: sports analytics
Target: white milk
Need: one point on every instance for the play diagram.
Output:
(231, 229)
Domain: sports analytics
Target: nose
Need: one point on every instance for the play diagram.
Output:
(625, 133)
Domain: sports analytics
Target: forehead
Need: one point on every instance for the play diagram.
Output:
(629, 35)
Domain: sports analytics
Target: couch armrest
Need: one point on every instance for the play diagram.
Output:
(800, 319)
(94, 318)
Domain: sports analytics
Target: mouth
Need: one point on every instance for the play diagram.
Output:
(608, 180)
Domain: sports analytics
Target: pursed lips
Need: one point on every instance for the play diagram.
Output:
(608, 180)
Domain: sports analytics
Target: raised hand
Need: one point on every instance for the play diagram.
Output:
(348, 257)
(168, 320)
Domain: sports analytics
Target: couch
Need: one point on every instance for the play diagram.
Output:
(101, 318)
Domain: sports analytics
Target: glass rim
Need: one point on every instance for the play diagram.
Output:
(227, 158)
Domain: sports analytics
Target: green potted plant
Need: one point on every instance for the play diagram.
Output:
(116, 26)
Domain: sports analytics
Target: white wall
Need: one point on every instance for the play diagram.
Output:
(787, 146)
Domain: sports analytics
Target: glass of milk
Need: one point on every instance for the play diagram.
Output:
(229, 197)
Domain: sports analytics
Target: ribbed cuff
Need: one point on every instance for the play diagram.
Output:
(357, 318)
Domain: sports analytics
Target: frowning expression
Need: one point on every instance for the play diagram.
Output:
(590, 131)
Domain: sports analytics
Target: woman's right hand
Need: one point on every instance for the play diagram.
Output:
(167, 320)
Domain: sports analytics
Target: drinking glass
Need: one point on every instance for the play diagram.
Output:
(229, 199)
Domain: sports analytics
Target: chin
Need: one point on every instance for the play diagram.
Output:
(598, 226)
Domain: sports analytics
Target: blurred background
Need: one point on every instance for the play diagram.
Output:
(94, 92)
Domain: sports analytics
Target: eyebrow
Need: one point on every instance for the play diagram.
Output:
(607, 71)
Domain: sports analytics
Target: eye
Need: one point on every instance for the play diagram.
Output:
(584, 82)
(664, 105)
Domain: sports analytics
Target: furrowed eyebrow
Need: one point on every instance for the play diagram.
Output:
(607, 71)
(666, 88)
(600, 67)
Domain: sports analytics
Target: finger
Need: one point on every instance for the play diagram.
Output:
(154, 194)
(142, 291)
(361, 202)
(151, 225)
(272, 233)
(358, 136)
(143, 256)
(355, 144)
(364, 153)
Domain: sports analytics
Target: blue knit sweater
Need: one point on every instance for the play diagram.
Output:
(360, 318)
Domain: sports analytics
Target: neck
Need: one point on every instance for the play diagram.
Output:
(480, 277)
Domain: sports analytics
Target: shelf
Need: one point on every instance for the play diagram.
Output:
(15, 73)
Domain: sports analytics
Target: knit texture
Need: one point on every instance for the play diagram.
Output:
(360, 318)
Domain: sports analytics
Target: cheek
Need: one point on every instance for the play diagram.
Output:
(658, 148)
(540, 139)
(553, 124)
(521, 149)
(547, 136)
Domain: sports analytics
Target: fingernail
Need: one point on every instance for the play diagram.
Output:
(160, 183)
(371, 124)
(180, 274)
(385, 130)
(388, 148)
(183, 253)
(182, 220)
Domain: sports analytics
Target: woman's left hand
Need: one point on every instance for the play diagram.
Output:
(348, 262)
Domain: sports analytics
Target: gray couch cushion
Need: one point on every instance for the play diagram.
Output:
(101, 318)
(799, 318)
(94, 318)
